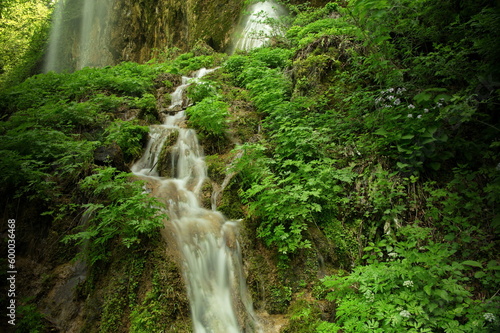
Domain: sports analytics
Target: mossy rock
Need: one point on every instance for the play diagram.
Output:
(168, 81)
(140, 290)
(216, 168)
(165, 159)
(304, 317)
(230, 202)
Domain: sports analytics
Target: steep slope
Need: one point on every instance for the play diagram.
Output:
(360, 153)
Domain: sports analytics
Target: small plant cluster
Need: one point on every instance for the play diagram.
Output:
(374, 119)
(119, 208)
(411, 130)
(411, 285)
(209, 114)
(56, 121)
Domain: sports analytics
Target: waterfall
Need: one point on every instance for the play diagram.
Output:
(80, 35)
(95, 34)
(255, 28)
(52, 57)
(206, 241)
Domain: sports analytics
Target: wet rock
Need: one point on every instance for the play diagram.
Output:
(168, 81)
(166, 162)
(110, 155)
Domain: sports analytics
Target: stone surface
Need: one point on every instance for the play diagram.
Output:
(138, 30)
(110, 155)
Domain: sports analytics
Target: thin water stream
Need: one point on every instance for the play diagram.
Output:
(206, 240)
(78, 41)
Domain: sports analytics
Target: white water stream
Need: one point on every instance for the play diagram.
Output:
(256, 28)
(52, 57)
(75, 46)
(207, 242)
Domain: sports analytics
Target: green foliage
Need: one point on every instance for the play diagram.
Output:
(209, 117)
(280, 298)
(129, 136)
(23, 28)
(187, 62)
(204, 89)
(147, 102)
(375, 115)
(30, 319)
(52, 115)
(456, 208)
(119, 209)
(383, 116)
(304, 14)
(125, 79)
(304, 317)
(411, 285)
(272, 57)
(413, 131)
(161, 305)
(108, 103)
(30, 154)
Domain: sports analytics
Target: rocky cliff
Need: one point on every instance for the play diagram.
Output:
(126, 30)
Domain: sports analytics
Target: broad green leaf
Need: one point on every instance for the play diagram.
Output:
(472, 263)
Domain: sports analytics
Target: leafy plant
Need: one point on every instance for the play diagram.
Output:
(209, 117)
(118, 209)
(31, 320)
(204, 89)
(410, 285)
(129, 136)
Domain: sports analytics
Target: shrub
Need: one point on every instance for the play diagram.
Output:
(119, 209)
(411, 285)
(129, 136)
(209, 117)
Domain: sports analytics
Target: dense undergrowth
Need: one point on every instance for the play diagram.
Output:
(380, 131)
(67, 141)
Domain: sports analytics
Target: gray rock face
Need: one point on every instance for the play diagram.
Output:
(105, 32)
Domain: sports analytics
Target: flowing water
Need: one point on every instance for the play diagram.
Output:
(206, 241)
(52, 57)
(79, 40)
(94, 34)
(256, 27)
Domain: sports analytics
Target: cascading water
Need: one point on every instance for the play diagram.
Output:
(79, 40)
(52, 59)
(255, 28)
(206, 241)
(94, 34)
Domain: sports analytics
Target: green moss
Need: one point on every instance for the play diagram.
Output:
(164, 160)
(121, 290)
(304, 317)
(280, 297)
(206, 194)
(141, 291)
(164, 305)
(312, 71)
(230, 202)
(216, 167)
